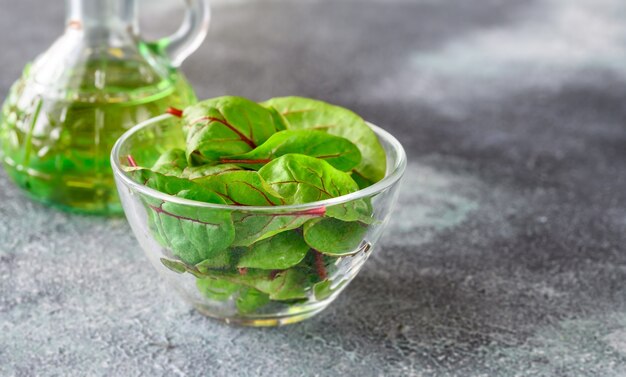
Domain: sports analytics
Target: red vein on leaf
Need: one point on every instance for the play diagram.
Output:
(321, 127)
(354, 171)
(225, 139)
(267, 199)
(329, 156)
(194, 178)
(243, 137)
(161, 210)
(303, 183)
(244, 161)
(318, 175)
(228, 197)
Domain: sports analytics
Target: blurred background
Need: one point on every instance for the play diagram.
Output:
(506, 254)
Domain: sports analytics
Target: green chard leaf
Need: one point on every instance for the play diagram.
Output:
(279, 120)
(225, 126)
(334, 237)
(167, 184)
(251, 299)
(203, 171)
(172, 162)
(243, 187)
(181, 267)
(279, 252)
(304, 113)
(324, 289)
(286, 285)
(194, 234)
(253, 227)
(303, 179)
(174, 265)
(154, 224)
(221, 260)
(293, 283)
(337, 151)
(354, 210)
(216, 289)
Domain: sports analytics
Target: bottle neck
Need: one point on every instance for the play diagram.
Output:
(101, 17)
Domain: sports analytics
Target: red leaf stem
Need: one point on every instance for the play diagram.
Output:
(131, 161)
(175, 112)
(319, 265)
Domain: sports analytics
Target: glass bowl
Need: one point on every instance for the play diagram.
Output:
(219, 287)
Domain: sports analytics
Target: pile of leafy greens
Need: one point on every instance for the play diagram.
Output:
(284, 151)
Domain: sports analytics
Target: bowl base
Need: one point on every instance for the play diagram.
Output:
(264, 321)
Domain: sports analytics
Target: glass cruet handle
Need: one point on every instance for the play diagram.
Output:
(178, 46)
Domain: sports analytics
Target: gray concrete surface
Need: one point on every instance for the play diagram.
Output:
(506, 256)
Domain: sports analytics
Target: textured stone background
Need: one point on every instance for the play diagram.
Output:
(506, 256)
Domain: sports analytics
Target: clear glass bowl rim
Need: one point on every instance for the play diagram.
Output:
(383, 184)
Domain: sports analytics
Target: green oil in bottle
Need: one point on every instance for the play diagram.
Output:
(55, 145)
